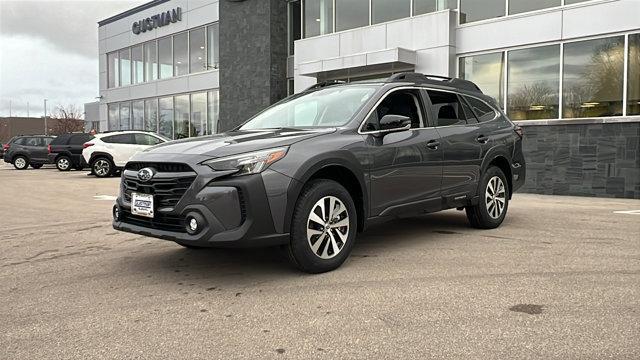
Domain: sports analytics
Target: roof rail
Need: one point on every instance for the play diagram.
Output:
(434, 79)
(325, 84)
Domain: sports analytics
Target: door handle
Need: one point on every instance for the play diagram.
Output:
(433, 144)
(482, 139)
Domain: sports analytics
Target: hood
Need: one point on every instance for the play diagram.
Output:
(237, 142)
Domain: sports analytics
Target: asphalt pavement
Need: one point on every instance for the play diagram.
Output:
(560, 279)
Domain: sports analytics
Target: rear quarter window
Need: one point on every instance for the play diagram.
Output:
(483, 111)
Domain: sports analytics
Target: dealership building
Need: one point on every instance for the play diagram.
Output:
(568, 71)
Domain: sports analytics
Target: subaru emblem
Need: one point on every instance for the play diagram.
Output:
(146, 174)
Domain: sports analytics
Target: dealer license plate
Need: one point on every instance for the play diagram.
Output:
(142, 205)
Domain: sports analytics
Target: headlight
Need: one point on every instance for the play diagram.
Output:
(249, 163)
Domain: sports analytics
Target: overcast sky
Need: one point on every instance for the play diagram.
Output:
(49, 49)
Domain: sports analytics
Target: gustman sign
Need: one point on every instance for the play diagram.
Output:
(156, 21)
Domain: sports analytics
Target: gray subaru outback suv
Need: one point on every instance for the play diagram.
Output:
(311, 171)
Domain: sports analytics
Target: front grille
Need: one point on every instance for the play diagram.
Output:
(166, 192)
(167, 186)
(160, 221)
(160, 167)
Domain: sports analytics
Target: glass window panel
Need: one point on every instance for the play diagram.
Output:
(138, 115)
(165, 122)
(165, 58)
(125, 67)
(351, 14)
(533, 81)
(138, 65)
(387, 10)
(213, 111)
(125, 116)
(180, 54)
(113, 117)
(446, 109)
(593, 78)
(151, 115)
(633, 81)
(198, 114)
(181, 117)
(520, 6)
(429, 6)
(197, 53)
(487, 72)
(113, 69)
(295, 28)
(474, 10)
(150, 61)
(213, 44)
(318, 17)
(482, 111)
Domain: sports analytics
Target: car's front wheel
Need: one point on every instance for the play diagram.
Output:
(324, 227)
(102, 167)
(20, 162)
(63, 163)
(493, 200)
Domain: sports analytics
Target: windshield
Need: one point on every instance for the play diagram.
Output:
(328, 107)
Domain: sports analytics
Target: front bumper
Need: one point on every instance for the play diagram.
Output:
(237, 211)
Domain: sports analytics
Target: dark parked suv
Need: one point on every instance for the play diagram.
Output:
(22, 151)
(313, 170)
(66, 151)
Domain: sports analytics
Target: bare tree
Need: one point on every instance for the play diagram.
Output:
(67, 119)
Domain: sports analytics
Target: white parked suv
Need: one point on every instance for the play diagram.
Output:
(108, 152)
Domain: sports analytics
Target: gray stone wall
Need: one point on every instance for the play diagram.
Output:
(253, 56)
(583, 159)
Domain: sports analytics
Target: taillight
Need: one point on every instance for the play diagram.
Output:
(5, 147)
(86, 145)
(49, 149)
(519, 130)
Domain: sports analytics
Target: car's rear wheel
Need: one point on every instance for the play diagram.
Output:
(323, 228)
(36, 166)
(494, 200)
(63, 163)
(102, 167)
(20, 162)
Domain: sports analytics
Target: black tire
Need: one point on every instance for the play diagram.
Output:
(102, 167)
(20, 162)
(299, 249)
(63, 163)
(479, 215)
(36, 166)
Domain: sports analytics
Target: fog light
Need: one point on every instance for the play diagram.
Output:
(116, 213)
(193, 224)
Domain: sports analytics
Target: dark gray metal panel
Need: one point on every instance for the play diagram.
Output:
(585, 160)
(253, 58)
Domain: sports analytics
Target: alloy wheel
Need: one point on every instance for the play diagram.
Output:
(101, 167)
(328, 227)
(63, 164)
(20, 163)
(495, 197)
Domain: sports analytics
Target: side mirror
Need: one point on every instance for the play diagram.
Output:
(394, 123)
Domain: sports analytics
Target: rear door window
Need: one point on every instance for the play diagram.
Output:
(32, 142)
(120, 139)
(482, 111)
(146, 139)
(447, 109)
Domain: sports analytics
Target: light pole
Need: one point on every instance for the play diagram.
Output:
(45, 117)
